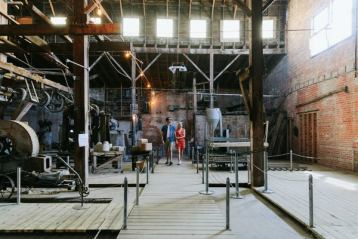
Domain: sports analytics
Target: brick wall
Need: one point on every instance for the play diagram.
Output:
(167, 104)
(304, 78)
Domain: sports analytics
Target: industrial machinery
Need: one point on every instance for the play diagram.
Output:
(19, 147)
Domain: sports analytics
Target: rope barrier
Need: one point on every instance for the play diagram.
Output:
(278, 155)
(277, 177)
(302, 156)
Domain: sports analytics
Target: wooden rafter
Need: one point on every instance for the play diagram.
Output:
(72, 29)
(24, 73)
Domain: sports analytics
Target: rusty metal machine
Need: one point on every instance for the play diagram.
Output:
(19, 147)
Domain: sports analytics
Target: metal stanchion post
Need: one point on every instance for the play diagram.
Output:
(18, 185)
(231, 164)
(137, 187)
(147, 169)
(152, 160)
(291, 161)
(248, 165)
(310, 186)
(125, 199)
(197, 159)
(206, 191)
(68, 161)
(237, 189)
(227, 203)
(266, 190)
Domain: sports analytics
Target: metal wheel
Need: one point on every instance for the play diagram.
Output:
(7, 186)
(56, 103)
(6, 146)
(44, 98)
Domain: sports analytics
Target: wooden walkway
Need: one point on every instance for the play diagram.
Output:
(335, 199)
(62, 217)
(171, 207)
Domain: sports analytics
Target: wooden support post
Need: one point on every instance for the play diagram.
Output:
(256, 93)
(81, 88)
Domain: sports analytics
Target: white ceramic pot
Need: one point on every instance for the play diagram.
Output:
(105, 146)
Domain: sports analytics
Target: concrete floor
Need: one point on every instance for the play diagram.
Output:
(253, 218)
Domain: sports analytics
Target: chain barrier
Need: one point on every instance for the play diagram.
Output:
(277, 177)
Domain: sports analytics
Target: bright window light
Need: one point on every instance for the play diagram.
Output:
(164, 27)
(320, 21)
(341, 23)
(197, 28)
(58, 20)
(95, 20)
(267, 28)
(230, 30)
(131, 27)
(331, 25)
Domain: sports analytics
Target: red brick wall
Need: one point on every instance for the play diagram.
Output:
(337, 115)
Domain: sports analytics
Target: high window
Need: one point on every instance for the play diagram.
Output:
(268, 28)
(331, 25)
(58, 20)
(130, 27)
(164, 27)
(230, 30)
(197, 28)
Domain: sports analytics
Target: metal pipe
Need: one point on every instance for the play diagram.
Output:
(147, 169)
(18, 172)
(310, 187)
(291, 161)
(137, 187)
(125, 203)
(227, 203)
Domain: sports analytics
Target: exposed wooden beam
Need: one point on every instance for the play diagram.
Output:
(38, 42)
(104, 12)
(52, 8)
(318, 98)
(8, 43)
(42, 16)
(24, 73)
(244, 76)
(81, 88)
(66, 48)
(267, 5)
(244, 7)
(91, 6)
(256, 61)
(72, 29)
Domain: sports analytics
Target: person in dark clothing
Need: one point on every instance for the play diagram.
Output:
(168, 136)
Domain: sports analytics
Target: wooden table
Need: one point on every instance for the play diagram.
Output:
(111, 155)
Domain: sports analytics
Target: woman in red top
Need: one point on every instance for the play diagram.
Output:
(180, 141)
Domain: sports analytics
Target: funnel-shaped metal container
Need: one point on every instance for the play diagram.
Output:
(213, 116)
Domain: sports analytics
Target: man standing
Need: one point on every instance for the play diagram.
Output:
(168, 135)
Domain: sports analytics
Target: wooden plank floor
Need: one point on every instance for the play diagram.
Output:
(62, 217)
(335, 199)
(109, 175)
(171, 207)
